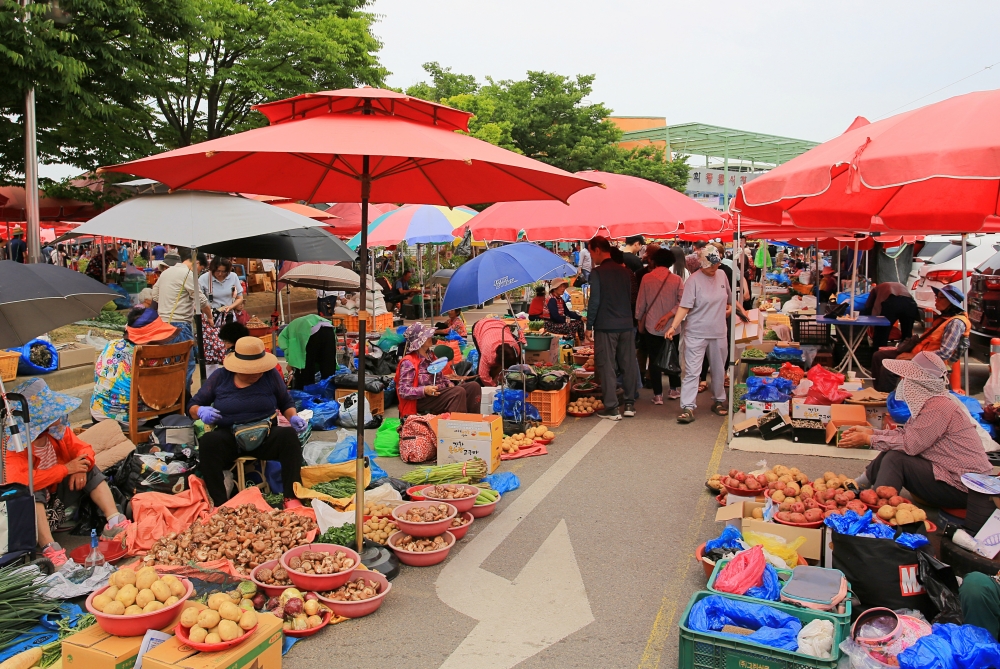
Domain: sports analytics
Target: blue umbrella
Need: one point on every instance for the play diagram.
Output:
(501, 269)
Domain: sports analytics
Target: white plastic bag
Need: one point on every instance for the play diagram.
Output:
(327, 516)
(315, 452)
(816, 638)
(349, 411)
(90, 340)
(383, 493)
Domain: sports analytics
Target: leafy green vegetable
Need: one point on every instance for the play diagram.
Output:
(344, 535)
(339, 488)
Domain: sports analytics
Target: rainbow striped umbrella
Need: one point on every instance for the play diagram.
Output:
(415, 224)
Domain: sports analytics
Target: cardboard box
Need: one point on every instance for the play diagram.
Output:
(775, 426)
(814, 433)
(746, 428)
(465, 436)
(76, 354)
(739, 515)
(93, 648)
(261, 651)
(535, 357)
(876, 416)
(803, 411)
(757, 409)
(749, 332)
(842, 415)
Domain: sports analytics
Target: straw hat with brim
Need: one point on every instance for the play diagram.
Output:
(149, 327)
(416, 335)
(45, 406)
(562, 281)
(17, 231)
(925, 366)
(249, 357)
(952, 294)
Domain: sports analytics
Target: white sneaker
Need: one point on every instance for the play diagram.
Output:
(657, 399)
(674, 394)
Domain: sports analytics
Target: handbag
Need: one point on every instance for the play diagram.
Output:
(417, 439)
(669, 358)
(642, 319)
(251, 435)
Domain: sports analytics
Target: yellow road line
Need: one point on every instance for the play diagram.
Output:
(668, 607)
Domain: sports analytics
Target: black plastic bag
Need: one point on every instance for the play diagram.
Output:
(669, 359)
(942, 587)
(554, 380)
(882, 573)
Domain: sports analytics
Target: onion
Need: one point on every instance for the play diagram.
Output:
(311, 595)
(293, 606)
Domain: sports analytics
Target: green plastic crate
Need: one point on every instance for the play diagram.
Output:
(705, 650)
(843, 619)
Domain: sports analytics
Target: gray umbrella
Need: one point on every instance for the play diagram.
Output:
(440, 277)
(299, 245)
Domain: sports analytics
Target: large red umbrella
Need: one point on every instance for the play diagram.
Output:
(359, 145)
(933, 169)
(350, 217)
(626, 206)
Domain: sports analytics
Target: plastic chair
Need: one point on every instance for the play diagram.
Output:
(159, 383)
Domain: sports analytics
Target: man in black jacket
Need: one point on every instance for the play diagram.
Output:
(610, 326)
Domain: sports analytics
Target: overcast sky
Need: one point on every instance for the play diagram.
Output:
(800, 69)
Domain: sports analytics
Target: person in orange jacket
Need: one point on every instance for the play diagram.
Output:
(63, 464)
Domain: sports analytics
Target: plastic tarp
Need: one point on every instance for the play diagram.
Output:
(772, 627)
(951, 646)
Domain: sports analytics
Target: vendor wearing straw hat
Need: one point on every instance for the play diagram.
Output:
(241, 401)
(935, 443)
(560, 319)
(64, 468)
(827, 284)
(417, 388)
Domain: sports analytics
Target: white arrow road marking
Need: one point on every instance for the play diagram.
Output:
(548, 596)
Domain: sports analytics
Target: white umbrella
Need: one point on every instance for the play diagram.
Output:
(192, 219)
(321, 277)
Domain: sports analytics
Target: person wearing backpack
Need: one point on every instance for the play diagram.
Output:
(419, 391)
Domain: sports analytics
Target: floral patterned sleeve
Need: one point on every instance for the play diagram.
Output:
(407, 374)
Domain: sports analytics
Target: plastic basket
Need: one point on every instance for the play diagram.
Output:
(8, 365)
(705, 650)
(808, 331)
(843, 619)
(551, 404)
(268, 340)
(376, 401)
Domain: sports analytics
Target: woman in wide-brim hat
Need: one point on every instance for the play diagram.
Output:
(241, 401)
(560, 319)
(936, 441)
(421, 391)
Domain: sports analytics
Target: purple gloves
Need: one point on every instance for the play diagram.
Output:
(298, 424)
(209, 415)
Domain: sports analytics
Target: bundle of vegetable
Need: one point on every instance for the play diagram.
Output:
(753, 353)
(132, 593)
(20, 604)
(338, 488)
(459, 472)
(52, 653)
(221, 620)
(487, 497)
(340, 536)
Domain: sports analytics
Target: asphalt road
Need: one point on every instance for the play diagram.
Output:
(630, 497)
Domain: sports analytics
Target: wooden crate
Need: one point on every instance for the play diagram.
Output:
(551, 404)
(376, 401)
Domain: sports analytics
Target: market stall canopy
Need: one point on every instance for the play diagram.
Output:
(626, 206)
(35, 299)
(416, 224)
(192, 219)
(13, 207)
(498, 270)
(933, 169)
(442, 277)
(321, 277)
(349, 214)
(298, 244)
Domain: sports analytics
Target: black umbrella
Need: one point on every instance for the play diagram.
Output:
(299, 245)
(37, 298)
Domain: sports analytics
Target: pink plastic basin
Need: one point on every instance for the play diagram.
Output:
(483, 510)
(421, 529)
(415, 559)
(464, 504)
(460, 532)
(364, 607)
(318, 582)
(414, 492)
(269, 590)
(137, 625)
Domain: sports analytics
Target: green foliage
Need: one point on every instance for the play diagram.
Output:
(649, 162)
(444, 84)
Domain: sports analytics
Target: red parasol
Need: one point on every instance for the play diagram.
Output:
(349, 214)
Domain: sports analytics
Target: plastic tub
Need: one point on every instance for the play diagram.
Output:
(463, 504)
(269, 590)
(298, 634)
(460, 532)
(137, 625)
(318, 582)
(181, 633)
(421, 529)
(364, 607)
(483, 510)
(414, 492)
(415, 559)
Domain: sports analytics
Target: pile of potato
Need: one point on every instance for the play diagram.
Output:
(132, 593)
(221, 620)
(892, 508)
(379, 529)
(377, 509)
(587, 405)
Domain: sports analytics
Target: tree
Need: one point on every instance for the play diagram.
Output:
(444, 84)
(250, 51)
(649, 162)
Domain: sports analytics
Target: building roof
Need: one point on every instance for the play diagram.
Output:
(702, 139)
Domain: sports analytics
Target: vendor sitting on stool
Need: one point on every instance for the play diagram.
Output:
(537, 304)
(417, 390)
(247, 390)
(938, 443)
(63, 465)
(454, 322)
(560, 319)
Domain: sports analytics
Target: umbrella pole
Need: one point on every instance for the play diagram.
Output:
(359, 472)
(854, 273)
(104, 263)
(737, 269)
(199, 333)
(965, 307)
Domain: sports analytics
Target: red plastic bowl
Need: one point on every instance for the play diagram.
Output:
(483, 510)
(743, 493)
(298, 634)
(306, 582)
(137, 625)
(413, 492)
(422, 529)
(364, 607)
(463, 504)
(460, 532)
(415, 559)
(181, 633)
(269, 590)
(113, 551)
(812, 525)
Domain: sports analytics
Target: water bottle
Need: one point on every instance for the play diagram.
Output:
(95, 558)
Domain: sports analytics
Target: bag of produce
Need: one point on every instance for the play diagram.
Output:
(349, 411)
(389, 340)
(387, 438)
(825, 386)
(38, 356)
(776, 546)
(553, 380)
(743, 572)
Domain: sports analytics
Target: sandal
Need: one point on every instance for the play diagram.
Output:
(686, 416)
(702, 386)
(720, 409)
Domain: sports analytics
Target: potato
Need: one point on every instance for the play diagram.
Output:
(126, 595)
(230, 611)
(133, 610)
(177, 588)
(778, 496)
(189, 617)
(215, 601)
(152, 606)
(197, 634)
(160, 590)
(904, 516)
(229, 630)
(171, 600)
(313, 621)
(248, 620)
(145, 596)
(886, 512)
(112, 592)
(209, 618)
(102, 600)
(124, 577)
(758, 514)
(213, 638)
(548, 434)
(145, 579)
(114, 608)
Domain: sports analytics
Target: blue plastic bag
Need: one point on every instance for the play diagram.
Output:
(323, 389)
(761, 389)
(770, 589)
(952, 647)
(325, 414)
(123, 301)
(347, 450)
(898, 410)
(454, 336)
(503, 482)
(859, 300)
(510, 404)
(773, 628)
(859, 525)
(473, 358)
(731, 539)
(912, 541)
(27, 368)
